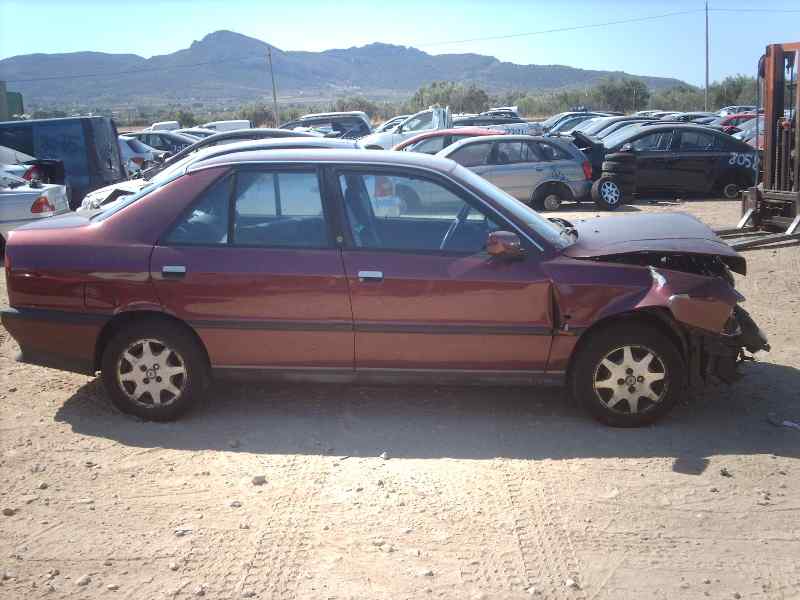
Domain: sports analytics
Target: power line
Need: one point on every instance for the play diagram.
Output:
(563, 29)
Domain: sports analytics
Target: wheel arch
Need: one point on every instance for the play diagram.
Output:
(552, 184)
(125, 319)
(657, 317)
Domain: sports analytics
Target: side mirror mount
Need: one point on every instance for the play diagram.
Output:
(626, 148)
(504, 244)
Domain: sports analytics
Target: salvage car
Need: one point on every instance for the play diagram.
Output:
(103, 197)
(167, 141)
(137, 155)
(539, 171)
(23, 201)
(390, 123)
(83, 151)
(350, 124)
(434, 141)
(677, 157)
(108, 193)
(274, 264)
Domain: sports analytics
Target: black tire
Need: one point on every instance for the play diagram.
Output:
(618, 167)
(603, 197)
(626, 157)
(184, 354)
(549, 197)
(730, 190)
(613, 403)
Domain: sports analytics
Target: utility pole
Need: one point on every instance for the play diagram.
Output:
(706, 95)
(274, 91)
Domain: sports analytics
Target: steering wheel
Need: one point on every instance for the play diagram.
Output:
(460, 218)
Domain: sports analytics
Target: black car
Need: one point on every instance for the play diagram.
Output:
(167, 141)
(348, 125)
(225, 137)
(679, 157)
(84, 148)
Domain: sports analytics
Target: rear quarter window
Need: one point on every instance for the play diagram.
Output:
(472, 155)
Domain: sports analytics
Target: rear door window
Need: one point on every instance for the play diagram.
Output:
(206, 223)
(516, 151)
(472, 155)
(429, 146)
(551, 151)
(696, 141)
(279, 209)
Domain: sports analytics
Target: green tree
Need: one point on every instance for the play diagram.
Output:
(459, 97)
(682, 97)
(735, 89)
(186, 118)
(622, 95)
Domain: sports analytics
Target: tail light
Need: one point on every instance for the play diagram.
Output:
(587, 169)
(41, 205)
(33, 173)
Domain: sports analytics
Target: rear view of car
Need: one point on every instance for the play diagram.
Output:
(23, 202)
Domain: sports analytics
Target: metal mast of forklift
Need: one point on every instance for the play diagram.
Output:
(706, 95)
(274, 91)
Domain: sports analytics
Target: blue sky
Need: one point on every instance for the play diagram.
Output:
(671, 46)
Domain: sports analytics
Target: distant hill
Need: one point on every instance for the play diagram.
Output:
(227, 66)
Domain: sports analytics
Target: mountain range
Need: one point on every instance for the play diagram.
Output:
(229, 67)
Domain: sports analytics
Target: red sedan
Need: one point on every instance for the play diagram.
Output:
(295, 263)
(431, 142)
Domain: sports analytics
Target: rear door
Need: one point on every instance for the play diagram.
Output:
(253, 268)
(694, 161)
(516, 167)
(425, 294)
(653, 155)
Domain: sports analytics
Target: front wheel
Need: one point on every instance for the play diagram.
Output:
(627, 376)
(153, 370)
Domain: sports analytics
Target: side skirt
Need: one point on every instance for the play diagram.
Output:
(391, 376)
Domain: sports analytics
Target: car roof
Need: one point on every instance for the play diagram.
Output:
(468, 130)
(323, 156)
(496, 138)
(278, 144)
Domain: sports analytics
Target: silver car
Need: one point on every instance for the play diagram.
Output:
(541, 172)
(22, 202)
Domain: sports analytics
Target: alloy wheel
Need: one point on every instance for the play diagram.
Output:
(552, 202)
(151, 373)
(609, 192)
(630, 380)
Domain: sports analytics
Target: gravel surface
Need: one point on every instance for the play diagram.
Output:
(330, 491)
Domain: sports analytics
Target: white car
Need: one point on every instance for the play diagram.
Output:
(23, 202)
(390, 124)
(432, 118)
(136, 155)
(232, 125)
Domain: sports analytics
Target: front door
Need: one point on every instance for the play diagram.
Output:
(252, 267)
(425, 294)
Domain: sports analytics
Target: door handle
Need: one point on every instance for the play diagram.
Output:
(173, 271)
(364, 276)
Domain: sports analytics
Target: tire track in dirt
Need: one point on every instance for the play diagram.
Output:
(546, 550)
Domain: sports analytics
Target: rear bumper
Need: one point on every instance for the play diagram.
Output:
(6, 226)
(57, 339)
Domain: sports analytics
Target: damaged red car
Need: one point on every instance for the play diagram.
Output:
(307, 263)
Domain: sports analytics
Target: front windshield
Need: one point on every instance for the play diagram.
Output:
(545, 228)
(552, 120)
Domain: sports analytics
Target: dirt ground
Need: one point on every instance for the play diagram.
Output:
(495, 493)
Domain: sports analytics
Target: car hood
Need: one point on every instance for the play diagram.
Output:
(675, 233)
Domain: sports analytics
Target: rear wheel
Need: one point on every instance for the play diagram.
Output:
(627, 376)
(153, 370)
(730, 191)
(607, 194)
